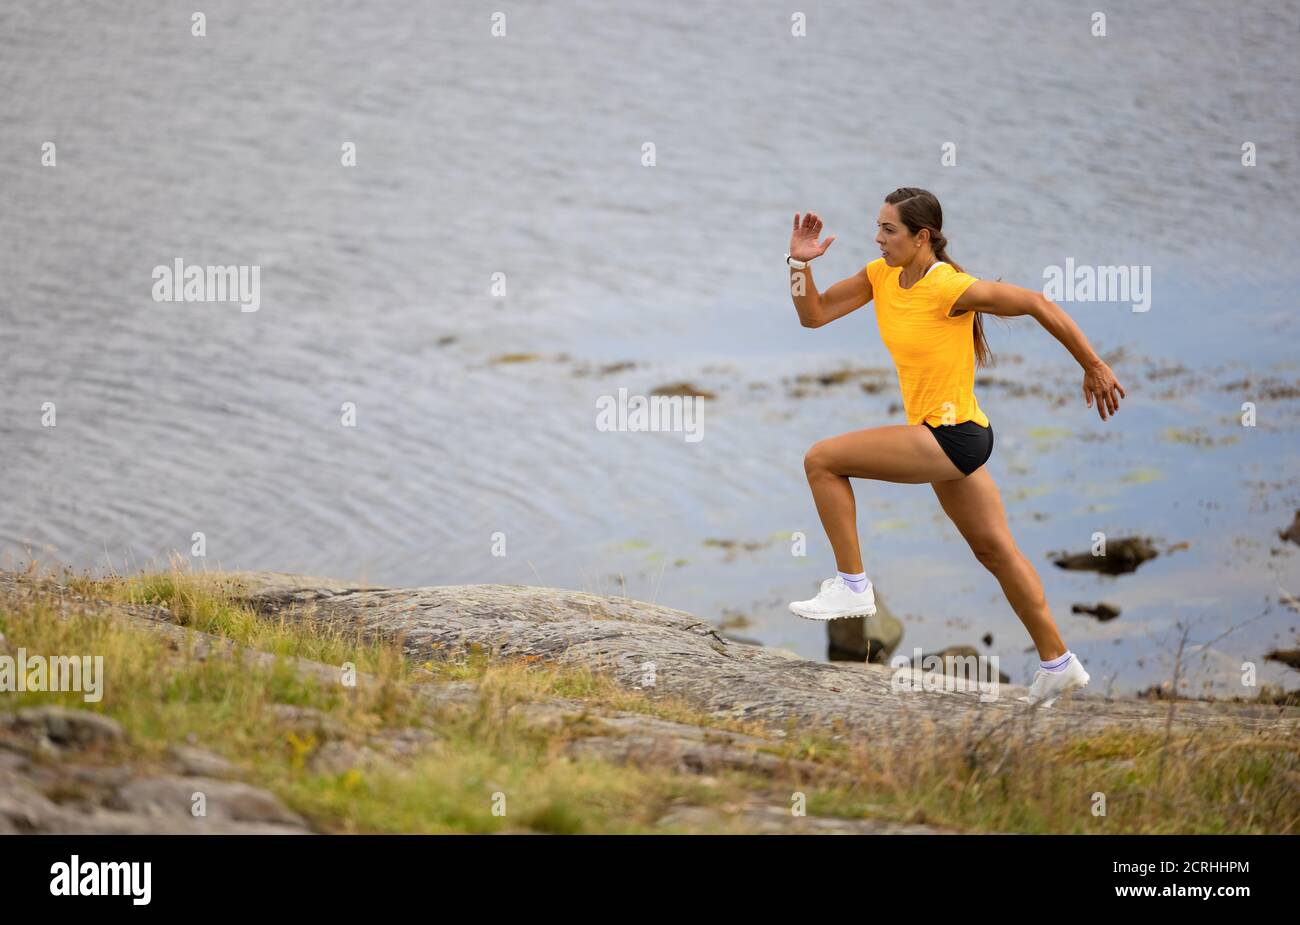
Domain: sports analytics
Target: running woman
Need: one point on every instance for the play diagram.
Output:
(928, 312)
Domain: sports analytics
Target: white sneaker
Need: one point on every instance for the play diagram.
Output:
(836, 599)
(1048, 685)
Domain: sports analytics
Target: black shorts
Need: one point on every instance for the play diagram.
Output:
(967, 444)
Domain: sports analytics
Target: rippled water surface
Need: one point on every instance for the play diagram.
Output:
(522, 156)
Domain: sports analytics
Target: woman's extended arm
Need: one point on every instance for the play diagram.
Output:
(1008, 300)
(818, 308)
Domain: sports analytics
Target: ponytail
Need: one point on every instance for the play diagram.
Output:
(939, 244)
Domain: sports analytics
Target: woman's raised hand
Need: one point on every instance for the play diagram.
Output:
(803, 240)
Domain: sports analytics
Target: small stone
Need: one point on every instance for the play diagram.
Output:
(198, 762)
(70, 728)
(340, 757)
(308, 721)
(225, 801)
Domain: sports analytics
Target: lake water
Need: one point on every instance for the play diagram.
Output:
(521, 155)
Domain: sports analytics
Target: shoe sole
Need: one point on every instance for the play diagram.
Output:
(826, 618)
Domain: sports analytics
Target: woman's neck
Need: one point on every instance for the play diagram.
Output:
(907, 280)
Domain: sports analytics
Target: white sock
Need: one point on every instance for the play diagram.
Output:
(857, 582)
(1060, 663)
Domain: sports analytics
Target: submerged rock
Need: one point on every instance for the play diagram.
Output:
(1102, 612)
(1292, 532)
(1288, 657)
(864, 639)
(684, 389)
(1122, 555)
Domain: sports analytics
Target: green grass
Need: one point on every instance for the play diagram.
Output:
(1228, 778)
(162, 693)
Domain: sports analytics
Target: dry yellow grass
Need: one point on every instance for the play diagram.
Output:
(1230, 779)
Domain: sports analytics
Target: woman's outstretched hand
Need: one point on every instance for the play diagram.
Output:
(803, 240)
(1100, 382)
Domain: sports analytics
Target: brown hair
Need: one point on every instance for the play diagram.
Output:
(919, 209)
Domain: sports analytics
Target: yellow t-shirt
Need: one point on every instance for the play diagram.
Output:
(934, 354)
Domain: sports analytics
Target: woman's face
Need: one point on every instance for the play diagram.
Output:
(897, 244)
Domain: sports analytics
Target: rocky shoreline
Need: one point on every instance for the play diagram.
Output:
(54, 778)
(692, 658)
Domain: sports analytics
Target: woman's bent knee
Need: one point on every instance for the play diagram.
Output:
(817, 460)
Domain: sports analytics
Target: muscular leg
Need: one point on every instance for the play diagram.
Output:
(975, 507)
(895, 453)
